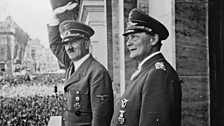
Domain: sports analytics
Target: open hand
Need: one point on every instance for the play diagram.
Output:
(62, 9)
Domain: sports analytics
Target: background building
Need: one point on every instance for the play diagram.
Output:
(12, 45)
(38, 59)
(20, 53)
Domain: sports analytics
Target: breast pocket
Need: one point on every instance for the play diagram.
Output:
(80, 101)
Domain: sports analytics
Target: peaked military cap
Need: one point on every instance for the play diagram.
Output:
(72, 30)
(139, 21)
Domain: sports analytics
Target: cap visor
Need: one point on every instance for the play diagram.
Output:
(72, 38)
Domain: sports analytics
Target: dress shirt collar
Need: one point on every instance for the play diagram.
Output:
(79, 62)
(147, 58)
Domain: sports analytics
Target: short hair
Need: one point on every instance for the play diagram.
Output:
(159, 43)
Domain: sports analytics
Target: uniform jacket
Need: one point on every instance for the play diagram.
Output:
(153, 97)
(88, 97)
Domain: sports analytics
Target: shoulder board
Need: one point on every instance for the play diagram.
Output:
(160, 65)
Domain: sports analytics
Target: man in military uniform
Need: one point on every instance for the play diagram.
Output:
(153, 97)
(88, 95)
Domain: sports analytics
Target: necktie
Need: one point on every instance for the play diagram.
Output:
(135, 73)
(71, 71)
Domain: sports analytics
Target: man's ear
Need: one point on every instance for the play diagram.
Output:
(87, 43)
(154, 39)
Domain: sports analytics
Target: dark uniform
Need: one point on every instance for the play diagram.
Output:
(88, 97)
(153, 97)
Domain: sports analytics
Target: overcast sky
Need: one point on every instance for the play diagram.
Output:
(30, 15)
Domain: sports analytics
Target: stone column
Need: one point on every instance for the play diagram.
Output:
(115, 45)
(117, 28)
(164, 11)
(92, 12)
(122, 46)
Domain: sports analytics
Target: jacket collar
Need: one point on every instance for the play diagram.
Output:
(152, 60)
(81, 71)
(79, 62)
(147, 58)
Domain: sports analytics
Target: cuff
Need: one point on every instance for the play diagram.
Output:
(54, 22)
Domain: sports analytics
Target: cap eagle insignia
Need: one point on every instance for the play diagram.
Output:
(130, 24)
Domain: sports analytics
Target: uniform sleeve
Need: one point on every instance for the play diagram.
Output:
(101, 99)
(157, 101)
(56, 45)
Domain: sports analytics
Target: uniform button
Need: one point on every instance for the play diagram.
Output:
(157, 120)
(77, 92)
(78, 113)
(63, 119)
(64, 109)
(65, 99)
(77, 98)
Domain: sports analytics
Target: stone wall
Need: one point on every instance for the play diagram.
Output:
(192, 60)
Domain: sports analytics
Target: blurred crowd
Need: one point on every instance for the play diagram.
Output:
(29, 111)
(36, 79)
(30, 102)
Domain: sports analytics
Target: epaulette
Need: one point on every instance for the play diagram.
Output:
(160, 65)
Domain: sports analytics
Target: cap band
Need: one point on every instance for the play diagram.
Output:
(69, 33)
(134, 25)
(140, 27)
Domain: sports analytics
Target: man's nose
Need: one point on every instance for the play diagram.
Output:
(129, 42)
